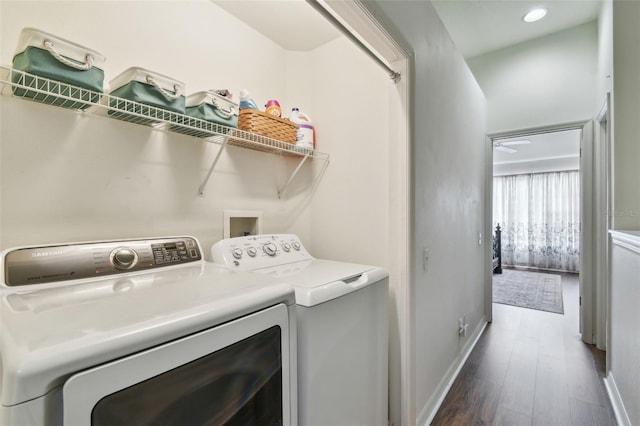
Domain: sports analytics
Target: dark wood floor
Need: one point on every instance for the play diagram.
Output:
(531, 368)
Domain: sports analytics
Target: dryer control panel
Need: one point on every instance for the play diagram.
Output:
(259, 251)
(74, 261)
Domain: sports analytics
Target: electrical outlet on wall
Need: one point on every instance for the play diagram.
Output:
(462, 326)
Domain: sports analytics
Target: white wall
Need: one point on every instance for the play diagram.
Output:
(193, 41)
(80, 177)
(352, 199)
(625, 317)
(550, 80)
(448, 128)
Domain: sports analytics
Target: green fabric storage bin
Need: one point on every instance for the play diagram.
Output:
(154, 95)
(211, 107)
(45, 55)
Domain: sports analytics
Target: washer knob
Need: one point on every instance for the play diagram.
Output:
(296, 245)
(286, 247)
(237, 253)
(270, 249)
(124, 258)
(252, 251)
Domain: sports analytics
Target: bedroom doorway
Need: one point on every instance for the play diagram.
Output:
(540, 196)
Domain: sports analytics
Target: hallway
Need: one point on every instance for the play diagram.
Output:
(531, 368)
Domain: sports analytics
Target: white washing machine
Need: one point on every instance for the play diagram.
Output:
(342, 320)
(142, 332)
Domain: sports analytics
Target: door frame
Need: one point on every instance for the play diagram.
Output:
(588, 296)
(488, 228)
(587, 207)
(603, 222)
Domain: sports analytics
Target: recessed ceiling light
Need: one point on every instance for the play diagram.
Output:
(534, 15)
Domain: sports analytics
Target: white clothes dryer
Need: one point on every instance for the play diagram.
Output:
(142, 332)
(342, 323)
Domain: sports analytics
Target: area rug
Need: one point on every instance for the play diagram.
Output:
(533, 290)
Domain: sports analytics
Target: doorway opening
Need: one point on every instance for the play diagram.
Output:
(538, 206)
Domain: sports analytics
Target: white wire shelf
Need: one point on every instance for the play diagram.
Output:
(57, 93)
(40, 89)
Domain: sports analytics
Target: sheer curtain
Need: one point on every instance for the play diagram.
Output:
(540, 219)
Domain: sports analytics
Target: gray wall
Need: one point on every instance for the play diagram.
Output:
(549, 80)
(626, 115)
(448, 126)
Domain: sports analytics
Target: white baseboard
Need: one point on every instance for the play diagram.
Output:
(622, 418)
(432, 406)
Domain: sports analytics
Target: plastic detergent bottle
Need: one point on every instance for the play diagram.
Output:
(304, 134)
(273, 108)
(245, 100)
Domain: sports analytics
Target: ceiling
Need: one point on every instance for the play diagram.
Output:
(563, 144)
(292, 24)
(481, 26)
(547, 152)
(476, 26)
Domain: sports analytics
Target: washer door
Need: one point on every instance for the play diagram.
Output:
(236, 373)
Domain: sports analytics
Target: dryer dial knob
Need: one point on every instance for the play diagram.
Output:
(286, 247)
(124, 258)
(296, 245)
(252, 251)
(270, 249)
(237, 253)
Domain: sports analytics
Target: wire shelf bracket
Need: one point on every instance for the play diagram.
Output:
(213, 166)
(293, 175)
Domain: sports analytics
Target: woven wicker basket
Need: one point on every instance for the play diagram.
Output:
(261, 123)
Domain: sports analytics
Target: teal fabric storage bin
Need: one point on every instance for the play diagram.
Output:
(155, 96)
(211, 107)
(78, 68)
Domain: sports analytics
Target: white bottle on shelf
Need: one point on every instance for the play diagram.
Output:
(304, 134)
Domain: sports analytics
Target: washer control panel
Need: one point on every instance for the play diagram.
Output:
(47, 264)
(259, 251)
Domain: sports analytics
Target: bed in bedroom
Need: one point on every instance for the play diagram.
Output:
(497, 250)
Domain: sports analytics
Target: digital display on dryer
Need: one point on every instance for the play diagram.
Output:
(173, 252)
(169, 253)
